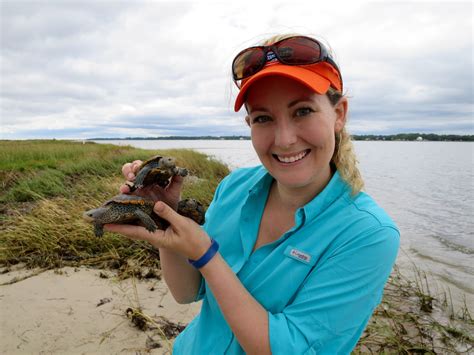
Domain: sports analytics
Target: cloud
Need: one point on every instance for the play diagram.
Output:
(116, 69)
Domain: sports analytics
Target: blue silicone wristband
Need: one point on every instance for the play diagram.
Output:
(203, 260)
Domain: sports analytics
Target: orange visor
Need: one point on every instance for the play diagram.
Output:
(318, 77)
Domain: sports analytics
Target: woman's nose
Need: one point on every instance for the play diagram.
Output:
(285, 135)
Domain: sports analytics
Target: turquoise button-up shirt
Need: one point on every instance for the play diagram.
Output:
(319, 282)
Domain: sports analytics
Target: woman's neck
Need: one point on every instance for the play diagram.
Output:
(292, 198)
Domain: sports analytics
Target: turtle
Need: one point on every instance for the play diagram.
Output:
(156, 170)
(193, 209)
(130, 209)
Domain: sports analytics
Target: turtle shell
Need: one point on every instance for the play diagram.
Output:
(124, 199)
(154, 159)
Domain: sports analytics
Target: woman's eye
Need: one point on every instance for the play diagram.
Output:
(261, 119)
(303, 111)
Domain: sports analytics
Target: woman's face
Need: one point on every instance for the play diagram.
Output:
(293, 130)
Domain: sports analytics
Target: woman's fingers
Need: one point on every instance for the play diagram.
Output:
(166, 212)
(126, 170)
(175, 184)
(124, 189)
(135, 232)
(136, 164)
(129, 169)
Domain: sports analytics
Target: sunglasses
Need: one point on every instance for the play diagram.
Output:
(297, 50)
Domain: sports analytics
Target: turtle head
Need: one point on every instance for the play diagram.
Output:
(94, 214)
(168, 162)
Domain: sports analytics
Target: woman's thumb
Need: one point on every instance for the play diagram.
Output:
(166, 212)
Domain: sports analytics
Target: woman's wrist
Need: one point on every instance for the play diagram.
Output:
(206, 256)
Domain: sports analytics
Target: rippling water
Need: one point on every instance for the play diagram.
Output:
(427, 188)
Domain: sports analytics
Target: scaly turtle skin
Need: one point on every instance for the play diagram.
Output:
(130, 209)
(157, 170)
(122, 209)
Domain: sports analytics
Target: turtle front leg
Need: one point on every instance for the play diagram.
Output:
(98, 230)
(140, 178)
(147, 221)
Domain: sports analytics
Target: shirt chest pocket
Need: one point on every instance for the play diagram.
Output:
(296, 266)
(300, 256)
(285, 278)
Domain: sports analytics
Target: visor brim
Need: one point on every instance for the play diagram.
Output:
(308, 76)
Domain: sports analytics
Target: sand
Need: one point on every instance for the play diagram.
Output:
(75, 311)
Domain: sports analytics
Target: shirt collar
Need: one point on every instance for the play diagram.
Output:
(262, 182)
(333, 190)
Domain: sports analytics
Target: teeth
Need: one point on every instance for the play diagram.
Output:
(293, 158)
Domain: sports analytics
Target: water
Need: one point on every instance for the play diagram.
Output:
(427, 188)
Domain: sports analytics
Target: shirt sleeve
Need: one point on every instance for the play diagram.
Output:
(331, 309)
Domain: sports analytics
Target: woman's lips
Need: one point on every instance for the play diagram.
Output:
(291, 158)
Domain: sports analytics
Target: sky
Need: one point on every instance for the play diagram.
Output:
(83, 69)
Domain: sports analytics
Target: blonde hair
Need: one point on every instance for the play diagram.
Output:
(277, 38)
(344, 156)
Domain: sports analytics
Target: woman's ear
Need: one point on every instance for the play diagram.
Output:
(341, 109)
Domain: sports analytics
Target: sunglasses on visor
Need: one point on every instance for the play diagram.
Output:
(297, 50)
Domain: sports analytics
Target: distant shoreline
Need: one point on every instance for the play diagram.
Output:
(357, 137)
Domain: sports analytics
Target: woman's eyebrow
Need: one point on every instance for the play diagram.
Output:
(253, 109)
(301, 99)
(292, 103)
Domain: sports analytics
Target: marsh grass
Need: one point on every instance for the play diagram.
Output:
(47, 185)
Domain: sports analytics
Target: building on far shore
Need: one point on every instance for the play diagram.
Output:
(419, 138)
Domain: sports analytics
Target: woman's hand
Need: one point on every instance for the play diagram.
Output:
(183, 236)
(171, 194)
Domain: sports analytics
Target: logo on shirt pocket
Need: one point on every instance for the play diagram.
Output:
(300, 255)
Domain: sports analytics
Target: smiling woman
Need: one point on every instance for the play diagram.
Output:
(293, 257)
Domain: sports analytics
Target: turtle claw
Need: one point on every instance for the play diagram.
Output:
(99, 230)
(151, 229)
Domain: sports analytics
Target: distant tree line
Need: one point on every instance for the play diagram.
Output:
(357, 137)
(414, 137)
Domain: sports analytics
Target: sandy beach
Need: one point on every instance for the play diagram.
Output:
(78, 311)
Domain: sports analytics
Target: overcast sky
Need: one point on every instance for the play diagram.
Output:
(81, 69)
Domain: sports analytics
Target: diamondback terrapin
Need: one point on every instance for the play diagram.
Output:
(157, 170)
(131, 209)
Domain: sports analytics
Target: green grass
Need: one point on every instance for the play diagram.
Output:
(31, 170)
(47, 185)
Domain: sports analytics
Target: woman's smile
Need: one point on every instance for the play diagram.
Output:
(288, 159)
